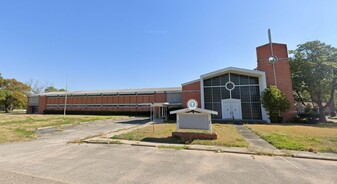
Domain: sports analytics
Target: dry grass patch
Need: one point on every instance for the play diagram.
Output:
(21, 127)
(317, 138)
(227, 135)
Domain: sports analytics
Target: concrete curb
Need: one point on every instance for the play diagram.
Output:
(204, 148)
(314, 158)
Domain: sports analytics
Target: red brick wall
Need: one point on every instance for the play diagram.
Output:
(121, 99)
(191, 91)
(160, 97)
(282, 69)
(42, 104)
(29, 110)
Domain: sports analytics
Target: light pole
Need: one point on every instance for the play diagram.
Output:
(65, 99)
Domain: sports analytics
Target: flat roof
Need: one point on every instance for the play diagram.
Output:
(116, 91)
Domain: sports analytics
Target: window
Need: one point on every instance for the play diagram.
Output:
(242, 87)
(224, 93)
(216, 94)
(235, 78)
(208, 94)
(256, 111)
(236, 93)
(253, 80)
(217, 107)
(246, 111)
(216, 81)
(244, 80)
(208, 82)
(224, 79)
(245, 94)
(255, 93)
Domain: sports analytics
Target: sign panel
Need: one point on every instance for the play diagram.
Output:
(194, 121)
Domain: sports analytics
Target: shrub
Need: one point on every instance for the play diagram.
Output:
(275, 102)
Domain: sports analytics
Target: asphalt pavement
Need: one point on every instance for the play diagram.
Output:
(50, 159)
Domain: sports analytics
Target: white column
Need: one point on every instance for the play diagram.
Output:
(210, 123)
(177, 127)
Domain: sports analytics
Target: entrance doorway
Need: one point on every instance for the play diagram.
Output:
(231, 109)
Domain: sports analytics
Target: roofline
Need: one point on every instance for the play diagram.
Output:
(115, 91)
(242, 71)
(272, 43)
(190, 82)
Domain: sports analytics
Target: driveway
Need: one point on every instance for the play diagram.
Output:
(50, 159)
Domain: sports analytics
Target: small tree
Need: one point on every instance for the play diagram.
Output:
(275, 102)
(13, 94)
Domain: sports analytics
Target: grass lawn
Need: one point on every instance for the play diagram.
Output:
(319, 138)
(227, 135)
(21, 127)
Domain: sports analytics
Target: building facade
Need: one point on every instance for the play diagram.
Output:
(233, 92)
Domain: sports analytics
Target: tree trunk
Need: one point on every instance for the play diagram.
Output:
(7, 109)
(300, 97)
(331, 102)
(322, 117)
(332, 108)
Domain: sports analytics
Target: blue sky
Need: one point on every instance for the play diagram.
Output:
(112, 44)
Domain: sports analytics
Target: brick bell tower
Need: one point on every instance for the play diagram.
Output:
(272, 58)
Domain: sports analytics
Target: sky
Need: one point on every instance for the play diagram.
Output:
(119, 44)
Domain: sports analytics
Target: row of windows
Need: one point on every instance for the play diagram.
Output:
(235, 78)
(245, 93)
(96, 105)
(99, 95)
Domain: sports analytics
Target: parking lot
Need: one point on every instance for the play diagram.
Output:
(50, 159)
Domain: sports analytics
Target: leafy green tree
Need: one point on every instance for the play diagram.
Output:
(314, 73)
(2, 93)
(13, 94)
(275, 102)
(50, 89)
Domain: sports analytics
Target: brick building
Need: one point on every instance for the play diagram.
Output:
(233, 92)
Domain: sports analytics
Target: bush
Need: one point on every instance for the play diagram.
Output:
(310, 116)
(275, 102)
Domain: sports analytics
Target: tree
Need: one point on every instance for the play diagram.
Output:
(314, 72)
(275, 102)
(52, 89)
(13, 94)
(38, 87)
(2, 93)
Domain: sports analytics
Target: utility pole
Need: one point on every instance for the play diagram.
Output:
(65, 99)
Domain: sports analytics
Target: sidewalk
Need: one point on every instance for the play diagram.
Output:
(255, 141)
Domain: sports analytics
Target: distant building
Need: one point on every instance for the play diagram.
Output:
(233, 92)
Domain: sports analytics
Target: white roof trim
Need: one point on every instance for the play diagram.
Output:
(190, 82)
(187, 110)
(115, 91)
(255, 73)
